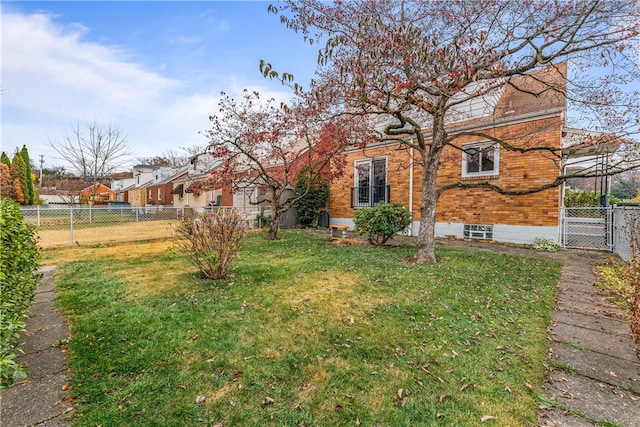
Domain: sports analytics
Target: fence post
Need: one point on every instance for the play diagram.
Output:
(610, 228)
(38, 210)
(137, 213)
(562, 225)
(71, 224)
(90, 214)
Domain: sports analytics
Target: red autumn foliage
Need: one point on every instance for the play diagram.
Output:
(261, 145)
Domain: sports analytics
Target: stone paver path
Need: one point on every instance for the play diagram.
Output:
(40, 401)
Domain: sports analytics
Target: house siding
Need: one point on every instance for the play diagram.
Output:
(165, 193)
(515, 218)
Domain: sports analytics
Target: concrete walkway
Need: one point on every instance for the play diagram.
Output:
(591, 338)
(40, 400)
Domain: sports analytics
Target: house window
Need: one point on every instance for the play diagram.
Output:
(480, 159)
(150, 195)
(159, 193)
(370, 183)
(478, 231)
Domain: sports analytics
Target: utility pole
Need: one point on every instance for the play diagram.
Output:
(41, 166)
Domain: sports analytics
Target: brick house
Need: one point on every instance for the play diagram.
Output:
(386, 173)
(96, 194)
(159, 191)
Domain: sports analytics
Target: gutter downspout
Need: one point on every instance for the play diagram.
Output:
(563, 189)
(411, 190)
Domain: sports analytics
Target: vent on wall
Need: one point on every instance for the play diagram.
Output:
(478, 231)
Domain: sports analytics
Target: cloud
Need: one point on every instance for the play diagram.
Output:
(53, 78)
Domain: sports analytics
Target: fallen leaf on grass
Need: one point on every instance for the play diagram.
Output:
(200, 400)
(486, 418)
(401, 399)
(267, 401)
(66, 387)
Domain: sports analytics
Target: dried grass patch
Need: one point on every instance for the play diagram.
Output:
(332, 296)
(105, 235)
(115, 252)
(141, 281)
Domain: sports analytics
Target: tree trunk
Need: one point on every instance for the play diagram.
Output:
(425, 243)
(275, 218)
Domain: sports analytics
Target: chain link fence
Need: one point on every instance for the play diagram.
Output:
(95, 225)
(626, 231)
(615, 229)
(587, 228)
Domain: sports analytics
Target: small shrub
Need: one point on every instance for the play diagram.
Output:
(382, 222)
(262, 220)
(309, 205)
(544, 244)
(211, 242)
(19, 276)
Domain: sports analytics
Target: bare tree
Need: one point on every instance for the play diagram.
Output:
(94, 151)
(414, 65)
(170, 158)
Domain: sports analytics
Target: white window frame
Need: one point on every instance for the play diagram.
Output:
(482, 145)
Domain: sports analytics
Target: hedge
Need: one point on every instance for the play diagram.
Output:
(19, 259)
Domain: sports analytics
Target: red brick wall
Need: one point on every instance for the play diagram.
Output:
(517, 171)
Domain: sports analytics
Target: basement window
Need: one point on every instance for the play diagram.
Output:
(478, 231)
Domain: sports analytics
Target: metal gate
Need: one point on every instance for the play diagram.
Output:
(587, 228)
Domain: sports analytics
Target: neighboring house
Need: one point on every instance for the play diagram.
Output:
(120, 190)
(138, 194)
(186, 190)
(96, 194)
(59, 199)
(385, 173)
(142, 176)
(159, 191)
(62, 190)
(187, 193)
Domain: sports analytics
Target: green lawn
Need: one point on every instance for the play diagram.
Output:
(306, 333)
